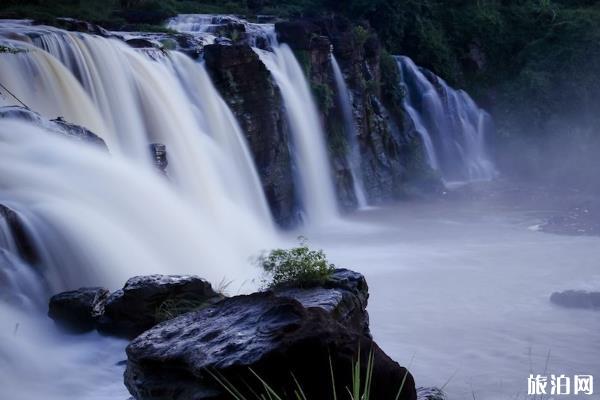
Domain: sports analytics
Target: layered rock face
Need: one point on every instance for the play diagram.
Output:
(392, 158)
(247, 87)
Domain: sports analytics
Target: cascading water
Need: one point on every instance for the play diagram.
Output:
(309, 148)
(133, 100)
(97, 219)
(452, 127)
(353, 157)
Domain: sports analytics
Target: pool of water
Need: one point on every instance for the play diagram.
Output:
(462, 289)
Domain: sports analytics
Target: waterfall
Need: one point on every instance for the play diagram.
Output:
(309, 148)
(453, 129)
(98, 219)
(131, 100)
(353, 155)
(308, 141)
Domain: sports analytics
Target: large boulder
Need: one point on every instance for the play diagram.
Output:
(145, 301)
(344, 296)
(576, 299)
(78, 310)
(246, 339)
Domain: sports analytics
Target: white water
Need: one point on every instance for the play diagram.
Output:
(313, 170)
(132, 101)
(97, 219)
(453, 128)
(308, 141)
(353, 157)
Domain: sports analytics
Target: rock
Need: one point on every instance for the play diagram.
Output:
(344, 296)
(57, 125)
(72, 24)
(23, 242)
(158, 151)
(430, 394)
(261, 333)
(298, 34)
(576, 299)
(143, 43)
(247, 87)
(145, 301)
(78, 310)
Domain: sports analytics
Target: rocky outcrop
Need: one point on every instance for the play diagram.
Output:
(391, 151)
(158, 152)
(58, 125)
(577, 299)
(18, 230)
(344, 296)
(246, 339)
(145, 301)
(78, 310)
(247, 87)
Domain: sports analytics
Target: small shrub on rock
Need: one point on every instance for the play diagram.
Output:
(299, 266)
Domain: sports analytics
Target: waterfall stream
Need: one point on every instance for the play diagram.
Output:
(131, 100)
(353, 155)
(452, 127)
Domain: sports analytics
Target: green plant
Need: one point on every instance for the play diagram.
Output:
(359, 390)
(175, 307)
(298, 266)
(360, 36)
(323, 95)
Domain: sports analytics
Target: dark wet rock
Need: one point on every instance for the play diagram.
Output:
(344, 296)
(57, 125)
(77, 132)
(72, 24)
(247, 87)
(430, 394)
(22, 239)
(298, 34)
(78, 310)
(392, 156)
(158, 152)
(577, 299)
(272, 336)
(143, 43)
(145, 301)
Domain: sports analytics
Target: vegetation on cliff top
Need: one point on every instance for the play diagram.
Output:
(535, 64)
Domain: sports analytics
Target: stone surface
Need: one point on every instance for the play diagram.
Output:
(158, 152)
(145, 301)
(344, 296)
(18, 230)
(247, 87)
(261, 333)
(577, 299)
(58, 125)
(78, 310)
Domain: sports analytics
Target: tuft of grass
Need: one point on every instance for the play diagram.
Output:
(360, 388)
(297, 267)
(175, 307)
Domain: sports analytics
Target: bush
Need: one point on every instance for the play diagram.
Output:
(299, 266)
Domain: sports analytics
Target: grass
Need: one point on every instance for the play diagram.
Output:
(360, 388)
